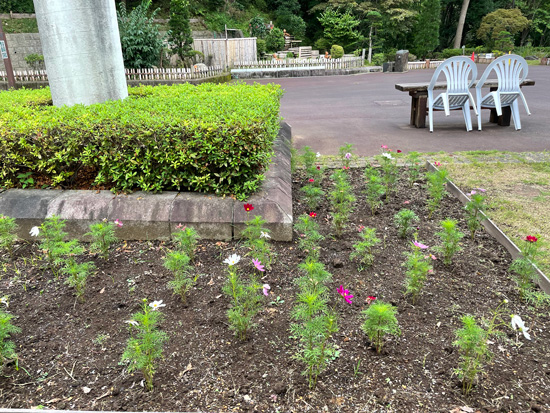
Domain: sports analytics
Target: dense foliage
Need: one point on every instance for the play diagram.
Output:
(425, 27)
(179, 35)
(139, 37)
(207, 138)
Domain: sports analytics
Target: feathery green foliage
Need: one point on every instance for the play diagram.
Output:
(404, 221)
(146, 346)
(450, 240)
(363, 249)
(103, 236)
(8, 228)
(7, 347)
(380, 321)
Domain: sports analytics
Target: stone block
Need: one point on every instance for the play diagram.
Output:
(145, 216)
(211, 216)
(80, 209)
(28, 206)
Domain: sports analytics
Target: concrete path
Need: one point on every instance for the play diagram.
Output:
(367, 111)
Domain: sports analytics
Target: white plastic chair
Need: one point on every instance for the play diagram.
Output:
(511, 70)
(460, 73)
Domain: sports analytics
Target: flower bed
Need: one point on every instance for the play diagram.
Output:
(70, 350)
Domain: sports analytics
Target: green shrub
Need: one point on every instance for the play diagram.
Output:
(206, 138)
(16, 6)
(257, 27)
(378, 59)
(336, 52)
(260, 48)
(275, 40)
(139, 36)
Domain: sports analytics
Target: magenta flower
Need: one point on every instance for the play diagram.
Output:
(266, 289)
(384, 146)
(370, 299)
(258, 264)
(118, 223)
(345, 293)
(311, 180)
(436, 163)
(420, 245)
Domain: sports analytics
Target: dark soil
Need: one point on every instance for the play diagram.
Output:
(67, 347)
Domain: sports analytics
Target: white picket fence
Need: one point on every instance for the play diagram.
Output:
(422, 65)
(343, 63)
(131, 74)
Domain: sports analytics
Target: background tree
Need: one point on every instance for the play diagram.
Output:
(139, 36)
(339, 27)
(426, 32)
(501, 20)
(275, 40)
(460, 26)
(179, 34)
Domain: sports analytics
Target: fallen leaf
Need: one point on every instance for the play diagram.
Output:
(86, 390)
(102, 290)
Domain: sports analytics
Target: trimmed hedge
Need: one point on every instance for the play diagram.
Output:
(206, 138)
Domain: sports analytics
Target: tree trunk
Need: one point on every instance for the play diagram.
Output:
(460, 27)
(370, 44)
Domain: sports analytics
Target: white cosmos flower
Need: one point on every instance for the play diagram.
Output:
(5, 300)
(233, 259)
(132, 322)
(517, 322)
(387, 155)
(155, 305)
(265, 235)
(318, 154)
(34, 231)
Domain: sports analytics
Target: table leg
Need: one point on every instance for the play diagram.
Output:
(419, 101)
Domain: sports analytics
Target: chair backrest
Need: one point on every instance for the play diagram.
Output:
(510, 69)
(460, 73)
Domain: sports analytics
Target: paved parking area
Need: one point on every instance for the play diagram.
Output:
(367, 111)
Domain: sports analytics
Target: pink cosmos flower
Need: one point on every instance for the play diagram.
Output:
(345, 293)
(347, 155)
(345, 167)
(266, 289)
(436, 163)
(370, 299)
(420, 245)
(384, 146)
(258, 265)
(406, 202)
(118, 223)
(311, 180)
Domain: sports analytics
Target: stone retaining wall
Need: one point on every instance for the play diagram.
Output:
(298, 72)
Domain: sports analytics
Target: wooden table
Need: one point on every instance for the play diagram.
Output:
(419, 101)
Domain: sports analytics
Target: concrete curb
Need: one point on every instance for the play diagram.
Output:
(148, 216)
(494, 230)
(281, 72)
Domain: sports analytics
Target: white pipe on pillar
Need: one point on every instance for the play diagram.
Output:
(82, 52)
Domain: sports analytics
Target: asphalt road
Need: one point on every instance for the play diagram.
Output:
(367, 111)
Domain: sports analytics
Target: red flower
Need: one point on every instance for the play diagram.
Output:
(248, 207)
(530, 238)
(313, 214)
(370, 299)
(311, 180)
(318, 167)
(345, 167)
(398, 151)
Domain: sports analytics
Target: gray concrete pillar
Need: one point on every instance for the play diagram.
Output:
(82, 52)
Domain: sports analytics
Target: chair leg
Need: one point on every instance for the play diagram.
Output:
(431, 117)
(524, 103)
(515, 114)
(467, 115)
(478, 117)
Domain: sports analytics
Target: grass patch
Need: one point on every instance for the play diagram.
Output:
(20, 26)
(517, 197)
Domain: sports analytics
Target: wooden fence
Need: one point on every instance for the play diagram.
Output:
(343, 63)
(422, 65)
(197, 72)
(225, 52)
